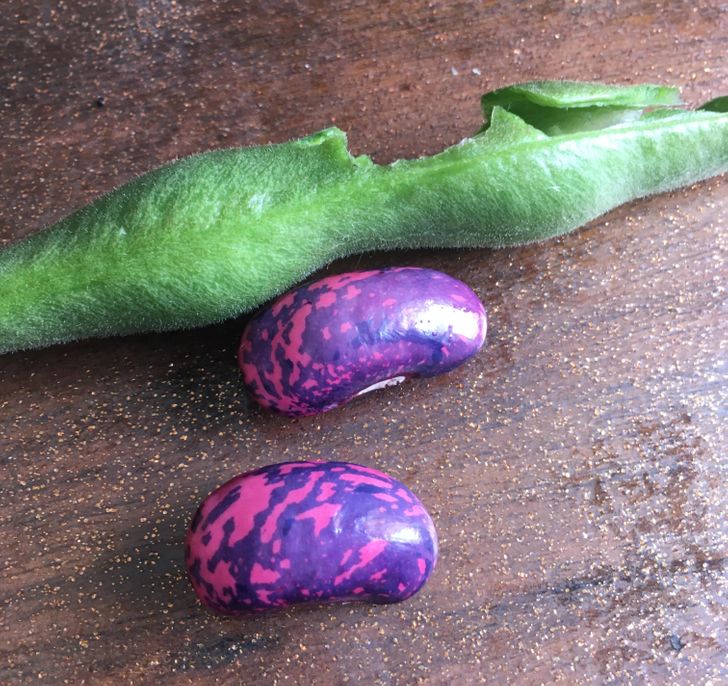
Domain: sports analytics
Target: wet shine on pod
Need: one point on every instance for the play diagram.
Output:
(322, 344)
(302, 532)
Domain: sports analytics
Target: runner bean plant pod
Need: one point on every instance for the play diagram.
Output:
(309, 532)
(213, 235)
(326, 342)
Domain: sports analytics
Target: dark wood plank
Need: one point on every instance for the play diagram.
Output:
(576, 468)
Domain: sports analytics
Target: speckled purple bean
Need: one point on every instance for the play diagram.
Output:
(322, 344)
(300, 532)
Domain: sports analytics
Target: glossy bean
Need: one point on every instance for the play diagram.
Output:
(309, 532)
(326, 342)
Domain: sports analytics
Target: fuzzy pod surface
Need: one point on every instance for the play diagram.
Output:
(213, 235)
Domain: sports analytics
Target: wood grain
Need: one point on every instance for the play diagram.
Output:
(576, 469)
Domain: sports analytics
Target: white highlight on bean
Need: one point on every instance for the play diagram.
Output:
(394, 381)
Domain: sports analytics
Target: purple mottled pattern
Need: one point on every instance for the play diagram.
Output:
(320, 345)
(300, 532)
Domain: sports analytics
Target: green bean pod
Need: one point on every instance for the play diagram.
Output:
(213, 235)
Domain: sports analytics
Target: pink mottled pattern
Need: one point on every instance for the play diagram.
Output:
(320, 345)
(309, 532)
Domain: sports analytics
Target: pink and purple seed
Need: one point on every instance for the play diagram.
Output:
(320, 345)
(301, 532)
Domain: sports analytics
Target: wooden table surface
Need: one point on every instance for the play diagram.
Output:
(576, 469)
